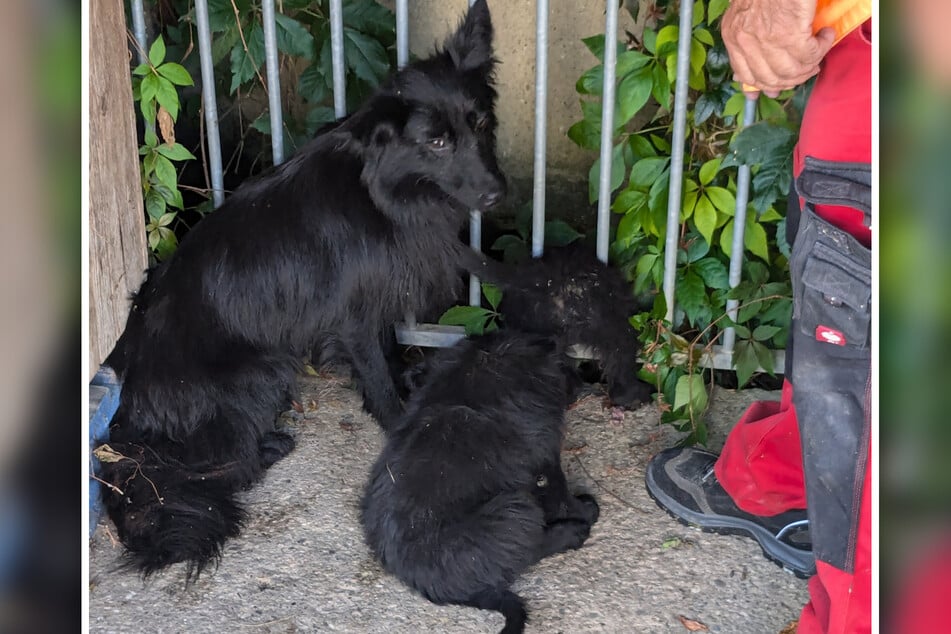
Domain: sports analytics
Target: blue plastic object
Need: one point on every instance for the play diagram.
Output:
(104, 392)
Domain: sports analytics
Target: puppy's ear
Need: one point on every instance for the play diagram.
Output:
(470, 47)
(382, 134)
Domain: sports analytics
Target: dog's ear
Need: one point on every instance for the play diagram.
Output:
(470, 47)
(382, 134)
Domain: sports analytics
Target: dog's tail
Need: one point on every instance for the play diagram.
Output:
(166, 513)
(505, 601)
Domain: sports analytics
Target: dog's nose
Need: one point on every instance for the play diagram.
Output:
(491, 199)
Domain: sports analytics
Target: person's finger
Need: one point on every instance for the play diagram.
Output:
(826, 40)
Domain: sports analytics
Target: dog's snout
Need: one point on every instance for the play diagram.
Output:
(492, 198)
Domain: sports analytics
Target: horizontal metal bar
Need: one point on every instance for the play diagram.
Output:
(429, 335)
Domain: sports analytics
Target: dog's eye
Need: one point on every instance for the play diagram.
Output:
(438, 143)
(541, 481)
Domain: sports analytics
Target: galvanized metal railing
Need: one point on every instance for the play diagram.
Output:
(432, 335)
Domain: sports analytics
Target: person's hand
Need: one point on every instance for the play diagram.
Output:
(771, 43)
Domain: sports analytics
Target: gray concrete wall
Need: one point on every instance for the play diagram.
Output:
(514, 21)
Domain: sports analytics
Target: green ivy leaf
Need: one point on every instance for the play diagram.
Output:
(691, 392)
(629, 200)
(617, 174)
(504, 241)
(646, 171)
(312, 84)
(703, 36)
(698, 55)
(317, 117)
(757, 143)
(755, 240)
(765, 332)
(142, 70)
(221, 13)
(472, 318)
(293, 37)
(716, 9)
(167, 97)
(713, 272)
(244, 65)
(764, 356)
(558, 233)
(365, 56)
(734, 105)
(666, 43)
(176, 74)
(690, 295)
(157, 51)
(722, 199)
(148, 89)
(372, 18)
(628, 229)
(165, 172)
(222, 43)
(745, 361)
(595, 44)
(493, 294)
(641, 147)
(698, 13)
(175, 152)
(705, 218)
(586, 134)
(661, 86)
(708, 170)
(154, 204)
(166, 219)
(632, 94)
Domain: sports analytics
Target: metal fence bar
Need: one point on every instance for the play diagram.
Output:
(402, 33)
(677, 156)
(139, 30)
(739, 231)
(336, 52)
(541, 127)
(607, 129)
(475, 241)
(209, 102)
(273, 81)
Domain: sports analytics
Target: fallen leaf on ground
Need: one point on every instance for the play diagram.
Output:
(791, 628)
(693, 626)
(105, 453)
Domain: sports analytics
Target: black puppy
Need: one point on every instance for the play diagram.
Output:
(333, 247)
(569, 294)
(469, 490)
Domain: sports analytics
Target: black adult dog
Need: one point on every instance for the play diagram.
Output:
(469, 490)
(571, 295)
(328, 250)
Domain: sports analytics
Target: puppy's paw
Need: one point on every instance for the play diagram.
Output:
(630, 394)
(568, 534)
(273, 446)
(587, 508)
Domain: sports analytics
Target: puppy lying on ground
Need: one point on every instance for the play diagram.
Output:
(571, 295)
(333, 247)
(469, 490)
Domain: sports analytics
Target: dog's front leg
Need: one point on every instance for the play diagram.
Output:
(380, 397)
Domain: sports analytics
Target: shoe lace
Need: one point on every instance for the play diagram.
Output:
(792, 526)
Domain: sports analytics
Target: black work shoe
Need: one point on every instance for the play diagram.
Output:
(683, 483)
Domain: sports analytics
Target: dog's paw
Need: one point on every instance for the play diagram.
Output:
(630, 394)
(587, 508)
(273, 446)
(569, 534)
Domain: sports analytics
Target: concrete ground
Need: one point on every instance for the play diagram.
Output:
(301, 565)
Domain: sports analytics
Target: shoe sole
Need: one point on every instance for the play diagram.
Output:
(790, 559)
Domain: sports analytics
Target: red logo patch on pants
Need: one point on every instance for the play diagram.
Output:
(829, 335)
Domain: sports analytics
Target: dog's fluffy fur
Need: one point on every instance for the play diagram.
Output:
(327, 250)
(569, 294)
(469, 490)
